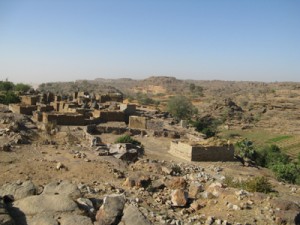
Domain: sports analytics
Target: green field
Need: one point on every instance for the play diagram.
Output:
(289, 144)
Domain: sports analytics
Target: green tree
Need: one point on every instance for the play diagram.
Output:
(22, 87)
(6, 86)
(181, 107)
(9, 97)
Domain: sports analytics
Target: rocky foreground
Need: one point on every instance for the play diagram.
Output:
(155, 192)
(66, 181)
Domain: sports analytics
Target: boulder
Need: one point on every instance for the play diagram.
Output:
(36, 204)
(111, 211)
(133, 216)
(138, 180)
(86, 205)
(194, 189)
(177, 183)
(75, 219)
(179, 197)
(18, 190)
(44, 218)
(62, 188)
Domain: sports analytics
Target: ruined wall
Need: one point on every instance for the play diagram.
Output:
(181, 150)
(37, 116)
(108, 116)
(45, 108)
(154, 124)
(64, 119)
(55, 105)
(29, 99)
(22, 109)
(213, 153)
(202, 153)
(129, 109)
(138, 122)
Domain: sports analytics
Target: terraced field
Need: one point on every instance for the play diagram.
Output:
(288, 144)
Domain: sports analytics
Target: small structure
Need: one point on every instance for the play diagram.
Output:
(64, 118)
(138, 122)
(22, 109)
(199, 152)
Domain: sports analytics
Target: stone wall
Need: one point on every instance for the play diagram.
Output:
(64, 119)
(155, 124)
(137, 122)
(45, 108)
(29, 99)
(202, 153)
(109, 116)
(129, 109)
(22, 109)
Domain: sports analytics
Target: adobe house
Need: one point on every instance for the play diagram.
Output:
(29, 99)
(22, 109)
(198, 152)
(70, 119)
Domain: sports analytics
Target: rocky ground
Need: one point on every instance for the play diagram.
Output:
(60, 179)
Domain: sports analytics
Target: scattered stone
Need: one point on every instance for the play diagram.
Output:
(158, 185)
(210, 220)
(177, 183)
(166, 170)
(133, 216)
(6, 147)
(60, 166)
(111, 211)
(138, 180)
(86, 205)
(194, 189)
(179, 197)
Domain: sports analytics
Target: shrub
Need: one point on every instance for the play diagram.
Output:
(206, 125)
(181, 107)
(256, 184)
(287, 172)
(176, 169)
(127, 139)
(246, 149)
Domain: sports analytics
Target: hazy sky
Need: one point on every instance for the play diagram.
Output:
(65, 40)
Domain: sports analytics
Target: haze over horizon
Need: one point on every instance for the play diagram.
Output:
(48, 41)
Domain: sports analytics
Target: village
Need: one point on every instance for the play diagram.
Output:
(84, 109)
(89, 158)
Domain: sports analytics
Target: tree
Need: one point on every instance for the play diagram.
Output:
(22, 87)
(6, 86)
(181, 107)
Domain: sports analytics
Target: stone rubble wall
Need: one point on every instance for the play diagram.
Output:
(202, 153)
